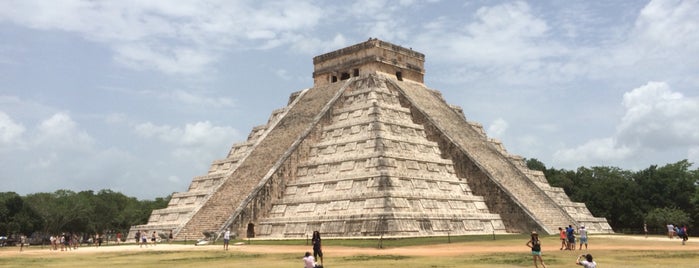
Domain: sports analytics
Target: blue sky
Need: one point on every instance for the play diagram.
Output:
(141, 96)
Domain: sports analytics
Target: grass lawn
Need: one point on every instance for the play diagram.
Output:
(467, 251)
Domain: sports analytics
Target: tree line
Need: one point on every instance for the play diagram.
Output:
(656, 195)
(627, 199)
(83, 212)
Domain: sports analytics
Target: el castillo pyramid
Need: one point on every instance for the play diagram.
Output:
(369, 150)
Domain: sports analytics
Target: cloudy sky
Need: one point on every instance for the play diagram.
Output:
(141, 96)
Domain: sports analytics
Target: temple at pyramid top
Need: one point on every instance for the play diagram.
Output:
(372, 56)
(369, 150)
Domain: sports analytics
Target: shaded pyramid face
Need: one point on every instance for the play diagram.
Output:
(372, 171)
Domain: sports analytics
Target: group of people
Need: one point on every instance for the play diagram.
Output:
(142, 238)
(680, 232)
(68, 241)
(584, 260)
(567, 237)
(310, 261)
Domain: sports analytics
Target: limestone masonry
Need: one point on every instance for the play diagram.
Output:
(369, 150)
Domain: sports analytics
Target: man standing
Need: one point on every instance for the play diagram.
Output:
(583, 237)
(570, 233)
(226, 239)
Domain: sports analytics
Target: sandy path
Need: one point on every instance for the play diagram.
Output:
(615, 242)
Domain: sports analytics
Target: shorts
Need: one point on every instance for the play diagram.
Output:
(226, 241)
(317, 252)
(571, 240)
(536, 253)
(583, 240)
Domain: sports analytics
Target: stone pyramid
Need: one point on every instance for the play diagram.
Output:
(369, 150)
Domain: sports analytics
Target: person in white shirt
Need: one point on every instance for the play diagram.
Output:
(583, 237)
(587, 262)
(226, 239)
(309, 261)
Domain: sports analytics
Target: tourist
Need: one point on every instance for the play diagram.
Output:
(562, 235)
(570, 234)
(75, 241)
(682, 233)
(226, 239)
(154, 238)
(587, 262)
(137, 237)
(670, 231)
(52, 240)
(22, 241)
(63, 239)
(317, 250)
(583, 236)
(169, 237)
(309, 261)
(66, 241)
(535, 244)
(144, 239)
(645, 229)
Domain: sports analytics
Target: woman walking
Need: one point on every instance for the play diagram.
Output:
(535, 244)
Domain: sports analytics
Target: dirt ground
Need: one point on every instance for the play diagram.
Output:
(611, 242)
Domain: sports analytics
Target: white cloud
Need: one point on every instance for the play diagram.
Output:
(196, 134)
(313, 45)
(198, 100)
(497, 128)
(195, 144)
(664, 34)
(669, 23)
(593, 152)
(167, 59)
(657, 120)
(60, 131)
(182, 38)
(10, 131)
(500, 35)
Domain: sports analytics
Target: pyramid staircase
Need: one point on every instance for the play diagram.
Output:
(369, 151)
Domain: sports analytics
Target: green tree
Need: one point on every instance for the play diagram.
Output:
(609, 192)
(661, 217)
(535, 164)
(672, 185)
(16, 216)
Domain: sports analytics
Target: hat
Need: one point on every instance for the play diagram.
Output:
(534, 233)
